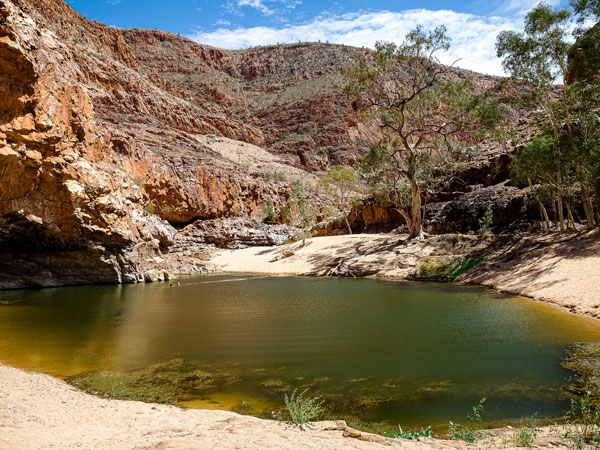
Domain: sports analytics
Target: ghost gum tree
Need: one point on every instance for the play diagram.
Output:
(563, 156)
(426, 114)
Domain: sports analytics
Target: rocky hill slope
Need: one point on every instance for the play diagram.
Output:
(112, 140)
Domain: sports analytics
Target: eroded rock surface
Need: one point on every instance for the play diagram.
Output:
(111, 140)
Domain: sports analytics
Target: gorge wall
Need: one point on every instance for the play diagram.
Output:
(113, 140)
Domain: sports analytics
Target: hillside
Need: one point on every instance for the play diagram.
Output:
(113, 140)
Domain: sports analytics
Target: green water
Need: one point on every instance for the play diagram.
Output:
(403, 352)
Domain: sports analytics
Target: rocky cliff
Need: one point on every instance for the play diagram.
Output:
(113, 140)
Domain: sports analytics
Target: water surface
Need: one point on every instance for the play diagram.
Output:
(404, 352)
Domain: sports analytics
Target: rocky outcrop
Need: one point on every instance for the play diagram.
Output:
(233, 233)
(111, 140)
(493, 208)
(66, 214)
(96, 158)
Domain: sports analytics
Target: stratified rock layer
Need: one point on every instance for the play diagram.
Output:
(110, 140)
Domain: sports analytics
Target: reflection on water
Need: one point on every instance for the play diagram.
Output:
(411, 353)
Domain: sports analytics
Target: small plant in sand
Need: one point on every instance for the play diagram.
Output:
(301, 409)
(414, 434)
(526, 433)
(472, 431)
(583, 429)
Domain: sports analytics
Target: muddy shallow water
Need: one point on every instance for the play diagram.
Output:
(408, 353)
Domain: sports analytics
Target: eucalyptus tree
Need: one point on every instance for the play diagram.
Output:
(538, 57)
(340, 183)
(425, 113)
(586, 9)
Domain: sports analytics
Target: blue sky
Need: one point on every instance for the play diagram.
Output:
(244, 23)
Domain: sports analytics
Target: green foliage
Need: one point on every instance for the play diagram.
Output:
(301, 409)
(275, 176)
(149, 208)
(268, 212)
(487, 221)
(298, 211)
(339, 184)
(538, 162)
(425, 117)
(526, 434)
(558, 160)
(584, 417)
(586, 66)
(473, 430)
(586, 9)
(447, 271)
(414, 434)
(539, 54)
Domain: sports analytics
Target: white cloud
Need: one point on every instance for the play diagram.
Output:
(519, 7)
(257, 4)
(473, 36)
(260, 5)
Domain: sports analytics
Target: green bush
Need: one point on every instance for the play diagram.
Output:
(413, 434)
(583, 419)
(268, 212)
(472, 431)
(447, 271)
(149, 208)
(526, 434)
(275, 176)
(303, 410)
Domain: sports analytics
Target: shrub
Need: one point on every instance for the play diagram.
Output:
(268, 212)
(526, 434)
(275, 176)
(584, 418)
(472, 431)
(149, 208)
(414, 434)
(303, 410)
(487, 221)
(448, 271)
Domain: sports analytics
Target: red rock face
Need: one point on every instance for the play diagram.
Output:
(99, 127)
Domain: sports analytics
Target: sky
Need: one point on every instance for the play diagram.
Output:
(234, 24)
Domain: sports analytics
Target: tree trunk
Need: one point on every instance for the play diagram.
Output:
(587, 207)
(561, 213)
(415, 227)
(348, 225)
(570, 219)
(542, 208)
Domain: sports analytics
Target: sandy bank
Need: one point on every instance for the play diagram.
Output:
(559, 269)
(381, 255)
